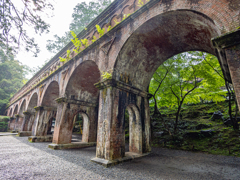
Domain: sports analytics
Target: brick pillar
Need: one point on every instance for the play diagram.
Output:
(41, 123)
(26, 118)
(115, 97)
(228, 49)
(16, 122)
(66, 111)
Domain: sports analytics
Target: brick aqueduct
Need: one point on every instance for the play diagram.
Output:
(131, 51)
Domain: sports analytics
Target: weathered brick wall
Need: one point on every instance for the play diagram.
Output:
(223, 13)
(132, 50)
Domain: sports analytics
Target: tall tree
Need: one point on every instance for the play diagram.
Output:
(12, 78)
(83, 14)
(231, 94)
(16, 17)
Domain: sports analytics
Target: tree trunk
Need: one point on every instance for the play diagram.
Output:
(177, 116)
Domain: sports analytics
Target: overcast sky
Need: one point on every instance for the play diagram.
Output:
(59, 24)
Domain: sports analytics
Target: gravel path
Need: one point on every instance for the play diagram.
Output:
(20, 159)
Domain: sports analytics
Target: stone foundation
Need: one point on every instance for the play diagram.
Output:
(75, 145)
(40, 139)
(24, 133)
(128, 157)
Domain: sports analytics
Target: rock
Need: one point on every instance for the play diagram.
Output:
(217, 116)
(202, 126)
(192, 134)
(199, 134)
(158, 134)
(207, 133)
(154, 123)
(228, 122)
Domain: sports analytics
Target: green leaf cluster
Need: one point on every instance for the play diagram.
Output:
(78, 43)
(106, 75)
(83, 14)
(188, 70)
(100, 31)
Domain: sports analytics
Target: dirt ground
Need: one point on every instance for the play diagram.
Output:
(20, 159)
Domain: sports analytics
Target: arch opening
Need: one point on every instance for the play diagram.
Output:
(22, 108)
(81, 83)
(160, 38)
(81, 127)
(30, 109)
(154, 42)
(15, 110)
(51, 93)
(47, 116)
(32, 103)
(132, 130)
(10, 113)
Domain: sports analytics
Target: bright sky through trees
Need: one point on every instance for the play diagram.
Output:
(59, 24)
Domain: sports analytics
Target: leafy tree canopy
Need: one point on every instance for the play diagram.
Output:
(16, 17)
(12, 78)
(189, 77)
(83, 14)
(184, 71)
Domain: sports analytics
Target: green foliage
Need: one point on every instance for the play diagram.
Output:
(224, 140)
(116, 22)
(188, 70)
(4, 118)
(58, 43)
(67, 57)
(94, 39)
(12, 76)
(76, 42)
(140, 3)
(106, 75)
(17, 18)
(125, 16)
(100, 31)
(83, 14)
(109, 28)
(85, 42)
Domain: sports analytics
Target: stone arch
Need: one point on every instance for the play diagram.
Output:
(135, 129)
(105, 26)
(96, 34)
(10, 112)
(136, 4)
(22, 107)
(20, 119)
(51, 93)
(126, 11)
(33, 102)
(29, 115)
(47, 109)
(80, 95)
(112, 21)
(160, 38)
(86, 125)
(15, 110)
(80, 85)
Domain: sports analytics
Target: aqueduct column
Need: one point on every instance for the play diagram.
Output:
(41, 124)
(26, 119)
(42, 120)
(228, 49)
(115, 96)
(67, 109)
